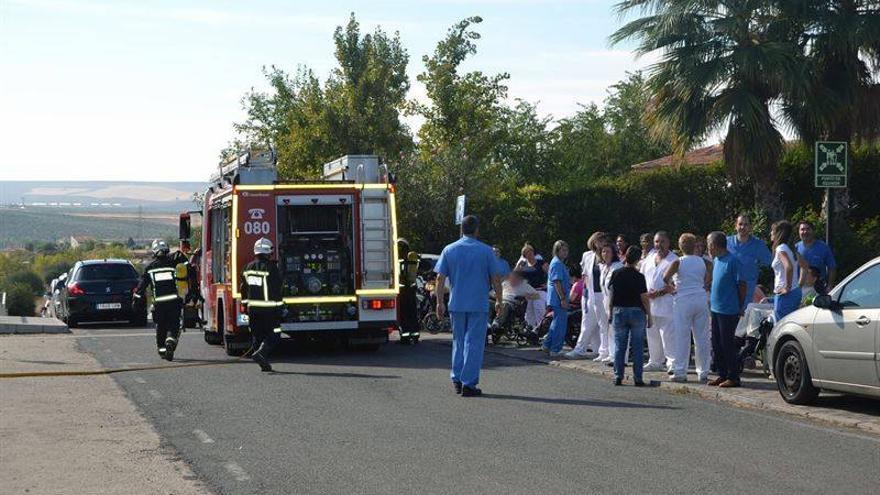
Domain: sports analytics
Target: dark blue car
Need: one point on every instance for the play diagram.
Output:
(100, 291)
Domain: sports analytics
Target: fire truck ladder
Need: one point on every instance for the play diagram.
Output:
(377, 269)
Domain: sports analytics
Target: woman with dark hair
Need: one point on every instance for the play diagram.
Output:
(628, 294)
(787, 270)
(610, 263)
(621, 245)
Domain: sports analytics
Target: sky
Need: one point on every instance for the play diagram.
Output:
(149, 90)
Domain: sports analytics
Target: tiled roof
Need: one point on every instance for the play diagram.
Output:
(702, 156)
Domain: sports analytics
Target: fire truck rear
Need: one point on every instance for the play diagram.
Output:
(335, 245)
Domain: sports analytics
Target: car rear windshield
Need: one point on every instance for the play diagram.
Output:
(109, 271)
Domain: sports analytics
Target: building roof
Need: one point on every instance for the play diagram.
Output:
(702, 156)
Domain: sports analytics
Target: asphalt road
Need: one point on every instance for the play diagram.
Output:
(332, 421)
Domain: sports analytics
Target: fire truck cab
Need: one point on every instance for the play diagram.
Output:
(335, 245)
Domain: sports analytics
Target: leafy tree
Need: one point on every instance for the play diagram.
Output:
(20, 300)
(355, 112)
(456, 154)
(624, 113)
(721, 67)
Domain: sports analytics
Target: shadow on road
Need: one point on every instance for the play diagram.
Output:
(575, 402)
(333, 375)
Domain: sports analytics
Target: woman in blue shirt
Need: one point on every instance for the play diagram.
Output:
(557, 299)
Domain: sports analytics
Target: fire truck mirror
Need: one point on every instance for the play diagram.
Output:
(185, 229)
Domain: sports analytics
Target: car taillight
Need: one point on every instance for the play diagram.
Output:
(242, 308)
(75, 290)
(377, 304)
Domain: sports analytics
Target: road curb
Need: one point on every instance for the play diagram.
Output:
(705, 392)
(25, 325)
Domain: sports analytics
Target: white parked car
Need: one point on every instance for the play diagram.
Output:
(833, 344)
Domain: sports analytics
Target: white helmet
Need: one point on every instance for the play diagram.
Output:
(263, 246)
(159, 248)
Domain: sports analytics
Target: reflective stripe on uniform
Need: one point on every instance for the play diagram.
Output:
(258, 273)
(276, 330)
(265, 304)
(170, 297)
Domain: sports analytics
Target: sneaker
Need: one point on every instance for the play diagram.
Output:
(457, 387)
(599, 358)
(161, 352)
(575, 355)
(470, 391)
(679, 379)
(639, 383)
(618, 382)
(608, 359)
(652, 367)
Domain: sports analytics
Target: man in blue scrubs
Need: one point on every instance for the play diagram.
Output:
(816, 253)
(471, 267)
(751, 252)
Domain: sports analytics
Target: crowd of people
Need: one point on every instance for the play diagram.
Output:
(650, 294)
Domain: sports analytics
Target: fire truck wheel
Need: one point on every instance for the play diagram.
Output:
(212, 338)
(230, 351)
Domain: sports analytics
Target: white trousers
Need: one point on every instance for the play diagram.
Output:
(536, 309)
(690, 317)
(591, 329)
(658, 333)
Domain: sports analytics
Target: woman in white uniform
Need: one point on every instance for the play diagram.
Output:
(691, 275)
(589, 336)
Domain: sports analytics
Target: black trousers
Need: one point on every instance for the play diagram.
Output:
(166, 317)
(409, 311)
(724, 345)
(263, 323)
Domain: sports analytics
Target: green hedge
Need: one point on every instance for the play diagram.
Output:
(689, 199)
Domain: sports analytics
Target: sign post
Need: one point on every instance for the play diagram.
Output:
(832, 162)
(459, 209)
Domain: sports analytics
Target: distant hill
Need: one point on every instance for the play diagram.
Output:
(151, 196)
(47, 224)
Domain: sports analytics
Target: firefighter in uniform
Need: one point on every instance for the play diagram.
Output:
(407, 301)
(159, 275)
(261, 286)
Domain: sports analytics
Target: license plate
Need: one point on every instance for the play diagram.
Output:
(110, 306)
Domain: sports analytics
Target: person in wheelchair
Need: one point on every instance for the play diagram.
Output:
(514, 287)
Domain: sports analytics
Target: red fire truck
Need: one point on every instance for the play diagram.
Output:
(335, 244)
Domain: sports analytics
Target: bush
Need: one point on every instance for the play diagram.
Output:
(27, 279)
(19, 300)
(689, 199)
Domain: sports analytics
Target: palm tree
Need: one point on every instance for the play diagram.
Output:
(841, 98)
(722, 69)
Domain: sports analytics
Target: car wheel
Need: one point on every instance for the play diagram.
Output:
(793, 375)
(213, 338)
(71, 322)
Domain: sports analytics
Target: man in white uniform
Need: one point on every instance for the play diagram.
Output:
(661, 335)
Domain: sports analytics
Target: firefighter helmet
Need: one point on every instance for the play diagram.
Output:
(159, 248)
(263, 246)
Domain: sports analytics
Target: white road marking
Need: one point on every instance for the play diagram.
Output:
(139, 380)
(155, 394)
(202, 436)
(237, 472)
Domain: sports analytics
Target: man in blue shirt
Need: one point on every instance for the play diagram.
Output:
(816, 253)
(751, 252)
(726, 304)
(471, 267)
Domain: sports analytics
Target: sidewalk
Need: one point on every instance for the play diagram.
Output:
(77, 434)
(757, 392)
